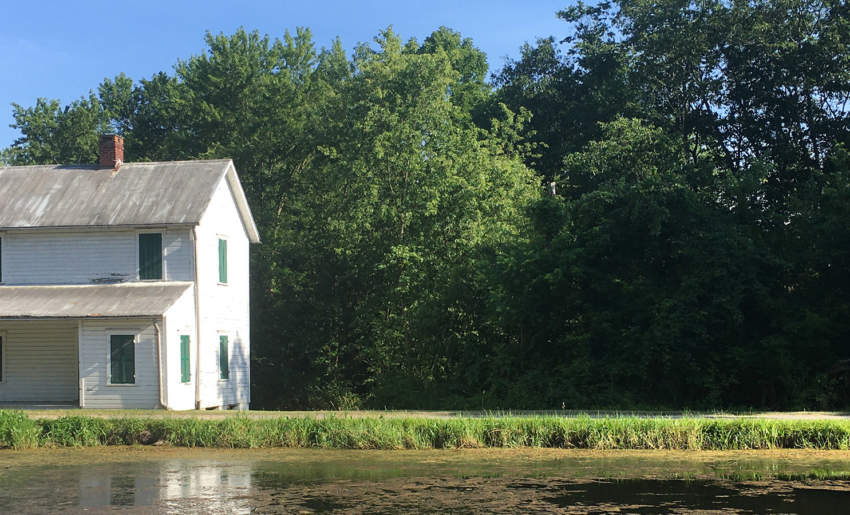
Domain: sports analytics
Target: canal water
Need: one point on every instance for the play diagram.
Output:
(145, 480)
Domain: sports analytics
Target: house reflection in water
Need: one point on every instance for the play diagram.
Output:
(177, 484)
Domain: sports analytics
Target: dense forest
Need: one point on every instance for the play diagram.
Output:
(649, 210)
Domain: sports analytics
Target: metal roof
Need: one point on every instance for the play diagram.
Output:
(171, 192)
(90, 301)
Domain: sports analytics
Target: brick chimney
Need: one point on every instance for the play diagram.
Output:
(111, 151)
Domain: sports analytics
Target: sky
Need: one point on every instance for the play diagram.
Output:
(63, 49)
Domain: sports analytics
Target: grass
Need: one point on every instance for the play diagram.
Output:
(436, 414)
(18, 431)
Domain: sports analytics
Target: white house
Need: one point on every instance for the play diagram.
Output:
(125, 285)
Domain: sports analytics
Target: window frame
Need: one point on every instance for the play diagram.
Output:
(223, 334)
(139, 233)
(109, 335)
(188, 377)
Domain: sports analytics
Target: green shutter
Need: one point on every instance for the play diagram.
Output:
(185, 374)
(122, 359)
(222, 261)
(223, 362)
(150, 256)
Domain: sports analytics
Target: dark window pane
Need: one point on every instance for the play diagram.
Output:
(122, 359)
(150, 256)
(223, 362)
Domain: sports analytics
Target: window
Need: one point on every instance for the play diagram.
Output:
(2, 361)
(223, 357)
(185, 370)
(122, 359)
(150, 256)
(1, 260)
(222, 261)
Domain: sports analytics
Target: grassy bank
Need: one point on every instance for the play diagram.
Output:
(17, 430)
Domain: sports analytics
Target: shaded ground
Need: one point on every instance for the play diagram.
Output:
(56, 412)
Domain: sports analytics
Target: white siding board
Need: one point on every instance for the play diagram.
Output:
(40, 257)
(224, 309)
(179, 320)
(68, 258)
(40, 361)
(178, 251)
(94, 351)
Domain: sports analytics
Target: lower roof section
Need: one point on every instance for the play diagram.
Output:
(90, 301)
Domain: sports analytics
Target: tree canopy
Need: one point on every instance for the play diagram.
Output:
(649, 210)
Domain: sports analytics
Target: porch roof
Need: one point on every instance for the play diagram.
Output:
(90, 301)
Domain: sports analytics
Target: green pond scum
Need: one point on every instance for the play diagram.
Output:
(18, 431)
(177, 479)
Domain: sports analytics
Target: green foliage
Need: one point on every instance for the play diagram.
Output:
(426, 433)
(695, 252)
(17, 430)
(75, 431)
(684, 259)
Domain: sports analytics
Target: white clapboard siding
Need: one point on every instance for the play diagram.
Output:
(84, 257)
(40, 361)
(68, 258)
(94, 363)
(178, 251)
(224, 307)
(179, 320)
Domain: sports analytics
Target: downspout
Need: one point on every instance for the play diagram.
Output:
(82, 397)
(197, 322)
(162, 403)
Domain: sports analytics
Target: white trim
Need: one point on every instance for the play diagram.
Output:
(94, 228)
(135, 333)
(80, 378)
(241, 203)
(4, 342)
(197, 302)
(161, 232)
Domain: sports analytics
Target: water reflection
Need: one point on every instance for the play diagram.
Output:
(414, 482)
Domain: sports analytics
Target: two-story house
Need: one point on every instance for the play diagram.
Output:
(125, 285)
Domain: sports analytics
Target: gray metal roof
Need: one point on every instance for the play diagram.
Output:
(90, 301)
(173, 192)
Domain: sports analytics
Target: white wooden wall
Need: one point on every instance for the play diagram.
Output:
(94, 363)
(40, 361)
(38, 257)
(224, 309)
(179, 320)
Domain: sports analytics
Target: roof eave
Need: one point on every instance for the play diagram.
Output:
(242, 203)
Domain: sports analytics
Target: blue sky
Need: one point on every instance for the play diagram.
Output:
(63, 49)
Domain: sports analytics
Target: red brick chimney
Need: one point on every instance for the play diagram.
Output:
(111, 151)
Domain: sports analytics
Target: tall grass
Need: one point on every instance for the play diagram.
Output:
(18, 431)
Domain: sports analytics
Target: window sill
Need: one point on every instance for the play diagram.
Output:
(120, 384)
